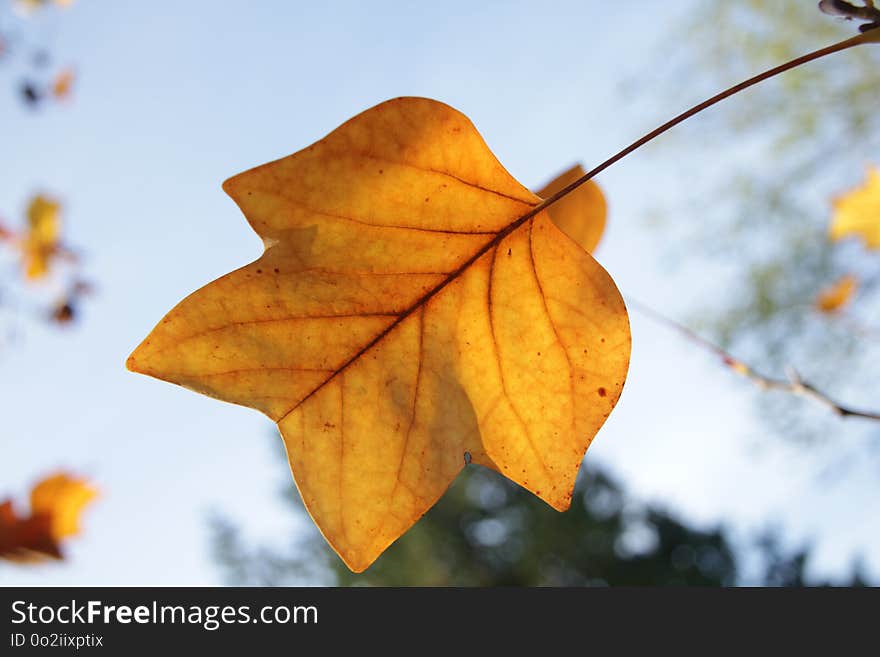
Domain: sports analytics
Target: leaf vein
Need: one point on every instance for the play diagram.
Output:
(448, 175)
(552, 324)
(497, 348)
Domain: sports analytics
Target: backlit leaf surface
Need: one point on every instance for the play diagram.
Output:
(580, 214)
(409, 314)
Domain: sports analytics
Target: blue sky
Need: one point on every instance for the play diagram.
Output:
(173, 98)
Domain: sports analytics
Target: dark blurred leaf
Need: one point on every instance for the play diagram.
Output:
(30, 94)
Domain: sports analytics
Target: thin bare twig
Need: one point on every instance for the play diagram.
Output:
(793, 384)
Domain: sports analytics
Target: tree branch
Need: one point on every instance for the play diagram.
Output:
(793, 384)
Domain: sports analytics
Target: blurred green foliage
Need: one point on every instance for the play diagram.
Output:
(783, 150)
(487, 531)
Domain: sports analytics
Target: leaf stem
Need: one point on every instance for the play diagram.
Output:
(871, 36)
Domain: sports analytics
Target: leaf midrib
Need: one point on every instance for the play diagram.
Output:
(422, 301)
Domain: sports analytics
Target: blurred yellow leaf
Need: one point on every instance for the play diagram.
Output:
(31, 5)
(580, 214)
(836, 296)
(63, 498)
(40, 241)
(56, 505)
(857, 213)
(409, 315)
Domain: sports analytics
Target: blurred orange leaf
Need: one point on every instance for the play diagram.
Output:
(409, 315)
(62, 85)
(580, 214)
(857, 213)
(6, 234)
(56, 505)
(63, 312)
(836, 296)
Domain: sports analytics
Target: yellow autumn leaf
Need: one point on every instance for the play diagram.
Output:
(412, 311)
(857, 212)
(62, 497)
(40, 241)
(836, 296)
(580, 214)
